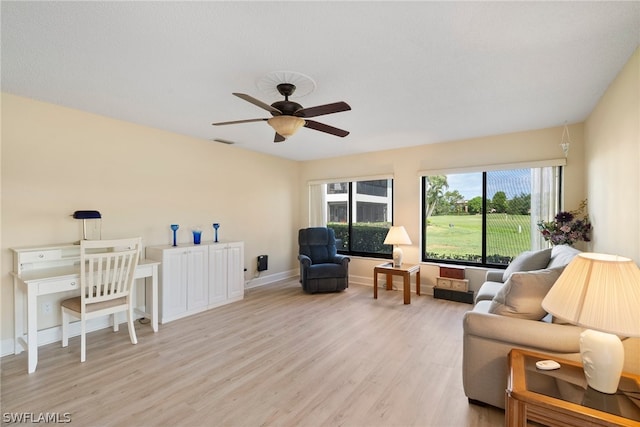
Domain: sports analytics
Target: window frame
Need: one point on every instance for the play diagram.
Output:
(351, 206)
(559, 163)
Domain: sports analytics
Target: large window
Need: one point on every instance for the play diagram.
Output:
(360, 213)
(486, 218)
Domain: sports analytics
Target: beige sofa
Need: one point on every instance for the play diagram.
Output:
(507, 314)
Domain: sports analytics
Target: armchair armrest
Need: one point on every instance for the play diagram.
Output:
(341, 259)
(305, 261)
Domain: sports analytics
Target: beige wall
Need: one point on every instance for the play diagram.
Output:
(405, 164)
(57, 160)
(612, 166)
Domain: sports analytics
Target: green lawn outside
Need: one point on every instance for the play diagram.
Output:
(455, 236)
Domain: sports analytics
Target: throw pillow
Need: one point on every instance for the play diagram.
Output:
(522, 294)
(527, 261)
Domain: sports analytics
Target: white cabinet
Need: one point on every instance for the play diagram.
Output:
(173, 299)
(235, 271)
(226, 272)
(197, 273)
(194, 278)
(217, 274)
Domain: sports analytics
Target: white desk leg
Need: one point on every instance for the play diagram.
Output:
(32, 327)
(18, 313)
(154, 299)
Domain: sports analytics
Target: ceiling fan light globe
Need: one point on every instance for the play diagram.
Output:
(286, 125)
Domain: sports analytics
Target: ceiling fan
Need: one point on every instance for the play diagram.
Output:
(289, 116)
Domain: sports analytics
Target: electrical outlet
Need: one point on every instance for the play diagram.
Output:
(46, 307)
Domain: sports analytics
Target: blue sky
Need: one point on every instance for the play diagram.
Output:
(512, 182)
(467, 184)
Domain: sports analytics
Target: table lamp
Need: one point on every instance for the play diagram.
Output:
(84, 216)
(601, 293)
(397, 236)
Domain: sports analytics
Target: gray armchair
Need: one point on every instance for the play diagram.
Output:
(321, 268)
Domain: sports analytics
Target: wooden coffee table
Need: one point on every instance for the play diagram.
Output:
(405, 270)
(562, 398)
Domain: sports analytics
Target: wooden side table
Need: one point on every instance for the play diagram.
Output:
(405, 270)
(562, 398)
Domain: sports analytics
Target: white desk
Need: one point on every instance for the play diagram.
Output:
(52, 269)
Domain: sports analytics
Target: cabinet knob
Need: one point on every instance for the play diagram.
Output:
(72, 284)
(41, 256)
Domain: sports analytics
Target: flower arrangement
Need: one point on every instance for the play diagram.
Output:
(566, 228)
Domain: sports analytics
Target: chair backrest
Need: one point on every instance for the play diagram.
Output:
(318, 243)
(107, 268)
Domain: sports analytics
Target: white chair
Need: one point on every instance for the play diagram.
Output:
(107, 270)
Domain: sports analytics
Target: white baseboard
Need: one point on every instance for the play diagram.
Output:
(54, 334)
(361, 280)
(270, 278)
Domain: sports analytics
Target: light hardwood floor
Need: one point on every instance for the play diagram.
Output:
(280, 357)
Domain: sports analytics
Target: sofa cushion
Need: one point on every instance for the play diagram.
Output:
(527, 261)
(522, 294)
(562, 255)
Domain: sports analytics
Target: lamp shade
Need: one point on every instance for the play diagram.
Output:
(286, 125)
(397, 235)
(599, 292)
(87, 215)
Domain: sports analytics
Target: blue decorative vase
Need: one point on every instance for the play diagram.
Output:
(174, 227)
(197, 234)
(215, 231)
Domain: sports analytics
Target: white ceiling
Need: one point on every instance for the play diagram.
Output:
(413, 72)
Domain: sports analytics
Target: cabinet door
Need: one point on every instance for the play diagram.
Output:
(174, 283)
(235, 270)
(217, 274)
(198, 273)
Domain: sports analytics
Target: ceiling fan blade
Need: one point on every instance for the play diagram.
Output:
(259, 103)
(239, 121)
(279, 138)
(312, 124)
(321, 110)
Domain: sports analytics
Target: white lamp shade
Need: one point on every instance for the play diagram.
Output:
(397, 235)
(600, 292)
(286, 125)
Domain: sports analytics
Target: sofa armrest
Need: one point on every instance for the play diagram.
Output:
(494, 276)
(487, 340)
(547, 337)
